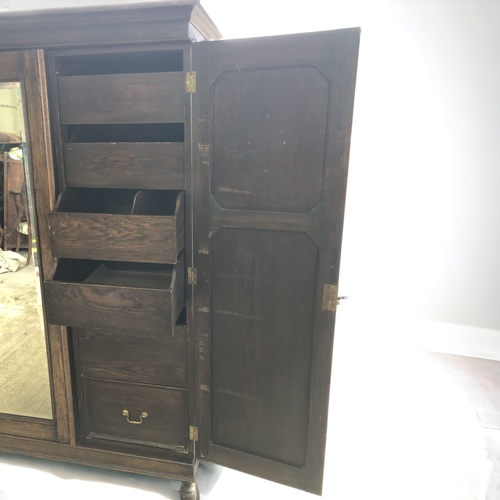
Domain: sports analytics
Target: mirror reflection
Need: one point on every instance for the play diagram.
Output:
(24, 375)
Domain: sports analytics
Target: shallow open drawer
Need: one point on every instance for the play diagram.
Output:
(118, 225)
(117, 295)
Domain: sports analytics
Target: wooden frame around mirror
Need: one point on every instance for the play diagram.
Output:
(28, 68)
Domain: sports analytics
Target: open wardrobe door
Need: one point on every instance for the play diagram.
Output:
(271, 133)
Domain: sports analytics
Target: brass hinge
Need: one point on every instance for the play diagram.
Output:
(190, 81)
(192, 276)
(193, 433)
(330, 297)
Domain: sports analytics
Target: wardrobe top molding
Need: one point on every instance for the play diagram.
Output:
(162, 21)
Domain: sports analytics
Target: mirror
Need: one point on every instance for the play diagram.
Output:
(24, 373)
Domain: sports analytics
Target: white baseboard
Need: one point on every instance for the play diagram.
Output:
(464, 340)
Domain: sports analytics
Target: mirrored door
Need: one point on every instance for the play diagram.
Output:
(34, 370)
(24, 373)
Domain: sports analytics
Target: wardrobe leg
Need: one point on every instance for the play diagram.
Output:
(189, 491)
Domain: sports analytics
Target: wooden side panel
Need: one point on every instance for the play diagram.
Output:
(273, 136)
(146, 165)
(129, 98)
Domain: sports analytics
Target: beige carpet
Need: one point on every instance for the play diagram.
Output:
(24, 379)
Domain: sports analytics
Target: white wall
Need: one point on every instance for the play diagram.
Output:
(422, 227)
(422, 223)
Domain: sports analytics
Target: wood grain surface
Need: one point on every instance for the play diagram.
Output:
(136, 237)
(140, 356)
(130, 98)
(149, 165)
(165, 425)
(88, 305)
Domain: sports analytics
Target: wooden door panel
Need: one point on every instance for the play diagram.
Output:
(272, 122)
(263, 291)
(268, 138)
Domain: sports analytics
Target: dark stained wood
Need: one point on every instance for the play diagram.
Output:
(190, 289)
(251, 262)
(15, 425)
(270, 156)
(178, 469)
(149, 358)
(151, 303)
(57, 133)
(147, 22)
(128, 98)
(91, 224)
(39, 147)
(310, 222)
(147, 165)
(263, 229)
(28, 68)
(262, 319)
(164, 426)
(12, 66)
(113, 61)
(200, 180)
(342, 57)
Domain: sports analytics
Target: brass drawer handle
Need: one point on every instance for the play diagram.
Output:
(136, 422)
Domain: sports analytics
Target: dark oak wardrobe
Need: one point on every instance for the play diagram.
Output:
(189, 196)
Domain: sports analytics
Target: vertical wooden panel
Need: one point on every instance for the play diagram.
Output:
(28, 68)
(263, 305)
(268, 131)
(267, 241)
(44, 190)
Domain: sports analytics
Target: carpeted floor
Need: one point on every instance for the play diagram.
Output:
(24, 379)
(480, 381)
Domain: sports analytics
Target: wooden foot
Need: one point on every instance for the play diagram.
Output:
(189, 491)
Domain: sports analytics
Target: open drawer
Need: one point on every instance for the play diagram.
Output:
(116, 295)
(118, 225)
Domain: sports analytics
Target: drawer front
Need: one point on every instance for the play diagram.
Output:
(132, 238)
(118, 225)
(135, 413)
(83, 305)
(145, 357)
(125, 98)
(146, 165)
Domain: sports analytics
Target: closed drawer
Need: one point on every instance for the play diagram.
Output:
(135, 356)
(119, 225)
(122, 98)
(140, 165)
(116, 295)
(135, 413)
